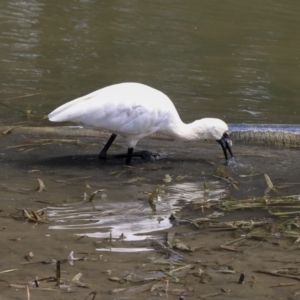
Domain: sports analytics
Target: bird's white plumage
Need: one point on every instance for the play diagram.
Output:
(134, 111)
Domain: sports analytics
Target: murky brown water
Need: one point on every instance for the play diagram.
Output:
(235, 60)
(72, 173)
(238, 61)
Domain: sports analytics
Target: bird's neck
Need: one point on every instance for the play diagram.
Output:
(186, 132)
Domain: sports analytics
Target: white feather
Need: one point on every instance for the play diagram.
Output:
(134, 111)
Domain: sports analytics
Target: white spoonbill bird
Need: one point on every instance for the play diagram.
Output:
(134, 111)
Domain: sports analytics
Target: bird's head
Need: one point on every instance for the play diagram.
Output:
(226, 144)
(213, 129)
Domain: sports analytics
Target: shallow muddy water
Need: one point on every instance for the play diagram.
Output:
(115, 231)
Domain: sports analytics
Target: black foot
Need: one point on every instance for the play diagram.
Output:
(103, 157)
(146, 155)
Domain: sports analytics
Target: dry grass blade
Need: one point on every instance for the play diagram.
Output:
(44, 142)
(235, 241)
(162, 248)
(181, 268)
(283, 284)
(14, 108)
(170, 239)
(261, 203)
(117, 173)
(229, 248)
(273, 187)
(118, 290)
(20, 146)
(19, 97)
(23, 286)
(153, 197)
(8, 271)
(76, 282)
(91, 293)
(29, 256)
(250, 175)
(167, 262)
(183, 247)
(27, 112)
(269, 182)
(5, 132)
(158, 285)
(58, 141)
(92, 197)
(76, 278)
(210, 295)
(286, 213)
(18, 190)
(274, 273)
(167, 178)
(28, 293)
(34, 216)
(223, 174)
(41, 186)
(205, 185)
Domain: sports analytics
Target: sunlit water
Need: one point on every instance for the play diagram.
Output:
(134, 219)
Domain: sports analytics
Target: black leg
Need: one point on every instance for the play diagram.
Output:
(229, 149)
(129, 156)
(143, 154)
(102, 154)
(225, 143)
(222, 143)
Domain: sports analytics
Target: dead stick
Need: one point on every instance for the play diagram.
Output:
(272, 273)
(58, 273)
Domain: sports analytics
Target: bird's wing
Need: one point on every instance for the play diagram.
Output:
(127, 109)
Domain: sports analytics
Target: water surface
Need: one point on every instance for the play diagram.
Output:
(235, 60)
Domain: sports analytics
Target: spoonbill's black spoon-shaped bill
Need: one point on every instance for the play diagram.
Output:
(134, 111)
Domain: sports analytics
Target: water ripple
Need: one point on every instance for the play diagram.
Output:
(134, 219)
